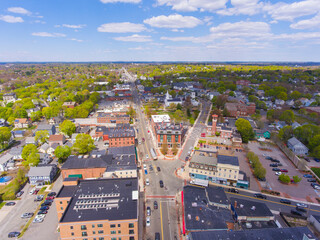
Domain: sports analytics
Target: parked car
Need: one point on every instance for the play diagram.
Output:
(38, 198)
(147, 182)
(312, 180)
(269, 158)
(284, 170)
(301, 209)
(308, 176)
(295, 212)
(317, 159)
(148, 222)
(32, 191)
(276, 169)
(36, 192)
(286, 201)
(158, 169)
(41, 212)
(150, 168)
(50, 198)
(44, 208)
(275, 160)
(259, 195)
(52, 194)
(315, 186)
(157, 236)
(273, 165)
(19, 194)
(10, 204)
(161, 183)
(278, 173)
(148, 211)
(147, 156)
(279, 164)
(13, 234)
(144, 167)
(155, 205)
(27, 215)
(302, 205)
(233, 190)
(262, 179)
(38, 220)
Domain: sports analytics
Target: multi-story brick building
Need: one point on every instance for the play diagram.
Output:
(239, 109)
(119, 136)
(113, 118)
(222, 129)
(104, 209)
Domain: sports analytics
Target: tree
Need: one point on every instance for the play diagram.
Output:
(179, 107)
(42, 136)
(173, 93)
(284, 178)
(260, 171)
(5, 136)
(174, 149)
(296, 179)
(164, 148)
(245, 129)
(172, 107)
(32, 160)
(35, 116)
(62, 153)
(27, 150)
(282, 96)
(314, 141)
(316, 152)
(285, 133)
(287, 116)
(84, 144)
(221, 101)
(67, 127)
(295, 95)
(21, 176)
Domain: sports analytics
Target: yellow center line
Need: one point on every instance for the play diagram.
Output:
(161, 221)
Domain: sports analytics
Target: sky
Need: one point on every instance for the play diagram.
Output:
(159, 30)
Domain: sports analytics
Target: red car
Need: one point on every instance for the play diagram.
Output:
(50, 198)
(35, 192)
(284, 170)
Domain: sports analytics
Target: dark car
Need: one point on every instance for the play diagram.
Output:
(50, 198)
(269, 158)
(233, 190)
(36, 192)
(275, 160)
(311, 180)
(158, 169)
(19, 194)
(44, 208)
(157, 236)
(286, 201)
(276, 169)
(155, 205)
(279, 164)
(317, 159)
(52, 194)
(273, 165)
(42, 212)
(295, 212)
(46, 203)
(148, 211)
(308, 176)
(259, 195)
(10, 204)
(301, 209)
(262, 179)
(161, 183)
(13, 234)
(283, 170)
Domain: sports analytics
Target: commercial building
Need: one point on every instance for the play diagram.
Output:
(104, 209)
(113, 118)
(223, 130)
(239, 109)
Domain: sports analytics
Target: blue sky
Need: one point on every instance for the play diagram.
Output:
(160, 30)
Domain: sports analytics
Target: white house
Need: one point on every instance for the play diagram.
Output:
(5, 160)
(168, 100)
(297, 147)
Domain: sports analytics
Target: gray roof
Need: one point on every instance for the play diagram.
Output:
(217, 195)
(293, 141)
(5, 158)
(127, 150)
(232, 160)
(84, 207)
(44, 146)
(317, 217)
(16, 151)
(244, 208)
(30, 140)
(121, 130)
(204, 159)
(44, 127)
(293, 233)
(40, 171)
(74, 162)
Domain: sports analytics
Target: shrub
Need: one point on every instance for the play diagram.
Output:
(296, 179)
(284, 178)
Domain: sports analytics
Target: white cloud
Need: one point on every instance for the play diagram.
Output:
(187, 39)
(246, 7)
(46, 34)
(308, 23)
(298, 36)
(73, 26)
(121, 1)
(19, 10)
(134, 38)
(194, 5)
(173, 21)
(11, 19)
(123, 27)
(75, 39)
(138, 48)
(288, 12)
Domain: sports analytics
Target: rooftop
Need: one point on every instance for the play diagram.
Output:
(217, 195)
(103, 199)
(161, 118)
(231, 160)
(74, 162)
(207, 160)
(250, 208)
(121, 130)
(39, 171)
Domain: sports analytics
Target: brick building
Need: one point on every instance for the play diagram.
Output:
(113, 118)
(239, 109)
(243, 82)
(101, 209)
(119, 136)
(69, 104)
(225, 132)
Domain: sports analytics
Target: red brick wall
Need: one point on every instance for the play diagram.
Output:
(86, 173)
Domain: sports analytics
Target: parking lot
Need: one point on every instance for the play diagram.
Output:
(300, 191)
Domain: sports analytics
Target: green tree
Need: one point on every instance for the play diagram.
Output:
(284, 178)
(5, 136)
(84, 144)
(314, 141)
(36, 116)
(260, 171)
(174, 149)
(21, 176)
(282, 96)
(62, 153)
(27, 150)
(173, 93)
(285, 133)
(179, 107)
(67, 127)
(164, 148)
(32, 160)
(172, 107)
(296, 179)
(295, 95)
(245, 129)
(20, 113)
(131, 112)
(287, 116)
(316, 152)
(42, 136)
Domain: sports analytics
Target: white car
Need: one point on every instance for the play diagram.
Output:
(148, 222)
(302, 205)
(144, 167)
(39, 218)
(147, 156)
(147, 182)
(278, 173)
(32, 191)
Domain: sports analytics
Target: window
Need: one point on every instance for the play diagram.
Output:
(113, 238)
(161, 138)
(101, 238)
(72, 234)
(84, 234)
(131, 238)
(131, 225)
(168, 138)
(112, 225)
(61, 208)
(60, 202)
(100, 232)
(113, 232)
(93, 225)
(119, 231)
(131, 231)
(100, 225)
(93, 232)
(177, 138)
(71, 227)
(83, 227)
(119, 225)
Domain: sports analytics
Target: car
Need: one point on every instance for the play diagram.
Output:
(312, 180)
(301, 209)
(146, 172)
(148, 211)
(44, 208)
(157, 236)
(52, 194)
(284, 170)
(187, 158)
(286, 201)
(38, 220)
(276, 169)
(150, 168)
(144, 167)
(307, 159)
(13, 234)
(19, 194)
(27, 215)
(158, 169)
(273, 165)
(38, 198)
(275, 160)
(269, 158)
(315, 186)
(36, 192)
(233, 190)
(10, 204)
(259, 195)
(161, 183)
(41, 212)
(317, 159)
(148, 222)
(143, 139)
(147, 182)
(295, 212)
(302, 205)
(262, 179)
(279, 164)
(307, 176)
(50, 198)
(155, 205)
(265, 155)
(147, 156)
(46, 203)
(278, 173)
(32, 191)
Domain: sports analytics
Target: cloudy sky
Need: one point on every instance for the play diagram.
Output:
(160, 30)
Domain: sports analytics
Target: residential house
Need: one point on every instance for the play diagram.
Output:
(22, 123)
(42, 174)
(280, 124)
(213, 94)
(294, 125)
(262, 133)
(69, 104)
(50, 128)
(44, 148)
(297, 147)
(5, 161)
(55, 120)
(16, 153)
(44, 158)
(59, 139)
(9, 97)
(3, 122)
(31, 140)
(279, 102)
(18, 133)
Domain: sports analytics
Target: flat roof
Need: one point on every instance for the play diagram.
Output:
(160, 118)
(103, 199)
(217, 195)
(74, 162)
(225, 159)
(251, 208)
(204, 159)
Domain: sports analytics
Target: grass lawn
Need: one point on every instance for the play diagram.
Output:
(316, 171)
(42, 190)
